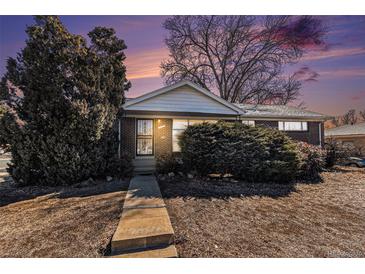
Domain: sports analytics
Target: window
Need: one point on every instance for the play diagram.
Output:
(178, 126)
(144, 137)
(293, 126)
(249, 123)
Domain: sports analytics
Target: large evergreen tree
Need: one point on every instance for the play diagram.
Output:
(64, 97)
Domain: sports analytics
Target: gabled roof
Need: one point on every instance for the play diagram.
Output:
(164, 90)
(279, 111)
(353, 130)
(208, 102)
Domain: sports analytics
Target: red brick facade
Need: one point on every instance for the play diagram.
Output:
(128, 135)
(163, 134)
(310, 136)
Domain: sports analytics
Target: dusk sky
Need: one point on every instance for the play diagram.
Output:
(338, 71)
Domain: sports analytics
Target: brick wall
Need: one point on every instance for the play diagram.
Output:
(127, 135)
(163, 136)
(310, 136)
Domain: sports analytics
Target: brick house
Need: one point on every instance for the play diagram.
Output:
(149, 124)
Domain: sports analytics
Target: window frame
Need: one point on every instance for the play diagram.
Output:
(187, 124)
(149, 137)
(249, 122)
(294, 130)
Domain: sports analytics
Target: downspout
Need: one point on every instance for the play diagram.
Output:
(320, 133)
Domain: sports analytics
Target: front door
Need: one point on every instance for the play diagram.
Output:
(144, 137)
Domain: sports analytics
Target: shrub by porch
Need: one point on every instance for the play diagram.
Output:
(254, 154)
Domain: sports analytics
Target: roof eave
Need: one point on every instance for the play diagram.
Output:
(278, 117)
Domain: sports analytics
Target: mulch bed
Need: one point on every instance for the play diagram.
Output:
(215, 218)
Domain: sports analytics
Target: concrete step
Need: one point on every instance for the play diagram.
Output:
(138, 162)
(144, 170)
(159, 252)
(142, 228)
(144, 165)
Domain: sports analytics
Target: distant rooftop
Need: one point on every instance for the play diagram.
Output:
(357, 129)
(279, 111)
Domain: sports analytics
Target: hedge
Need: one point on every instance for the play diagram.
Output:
(249, 153)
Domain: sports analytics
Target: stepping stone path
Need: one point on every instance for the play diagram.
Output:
(144, 230)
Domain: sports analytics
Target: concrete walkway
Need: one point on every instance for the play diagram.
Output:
(3, 165)
(144, 229)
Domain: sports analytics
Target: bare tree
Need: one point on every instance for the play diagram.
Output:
(241, 57)
(336, 121)
(349, 118)
(362, 115)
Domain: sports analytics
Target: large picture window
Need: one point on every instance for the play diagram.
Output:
(293, 126)
(144, 137)
(178, 126)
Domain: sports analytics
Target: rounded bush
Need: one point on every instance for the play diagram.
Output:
(249, 153)
(312, 160)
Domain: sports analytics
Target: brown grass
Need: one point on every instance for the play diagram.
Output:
(226, 219)
(59, 222)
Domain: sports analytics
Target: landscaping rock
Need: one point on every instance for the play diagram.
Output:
(171, 174)
(190, 176)
(109, 178)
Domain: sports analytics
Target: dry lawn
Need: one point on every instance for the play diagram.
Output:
(59, 222)
(228, 219)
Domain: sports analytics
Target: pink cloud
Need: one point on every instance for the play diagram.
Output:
(145, 64)
(333, 53)
(306, 74)
(352, 72)
(358, 96)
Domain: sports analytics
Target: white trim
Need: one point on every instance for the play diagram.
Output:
(281, 118)
(180, 84)
(156, 116)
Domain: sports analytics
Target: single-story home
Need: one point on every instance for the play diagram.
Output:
(349, 135)
(149, 124)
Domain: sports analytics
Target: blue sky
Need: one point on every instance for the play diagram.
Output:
(339, 83)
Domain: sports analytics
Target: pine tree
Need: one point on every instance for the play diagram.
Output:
(65, 96)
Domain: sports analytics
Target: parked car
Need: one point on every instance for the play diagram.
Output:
(355, 161)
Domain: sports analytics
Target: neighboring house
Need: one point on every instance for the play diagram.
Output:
(151, 123)
(349, 135)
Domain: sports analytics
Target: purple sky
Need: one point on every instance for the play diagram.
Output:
(339, 71)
